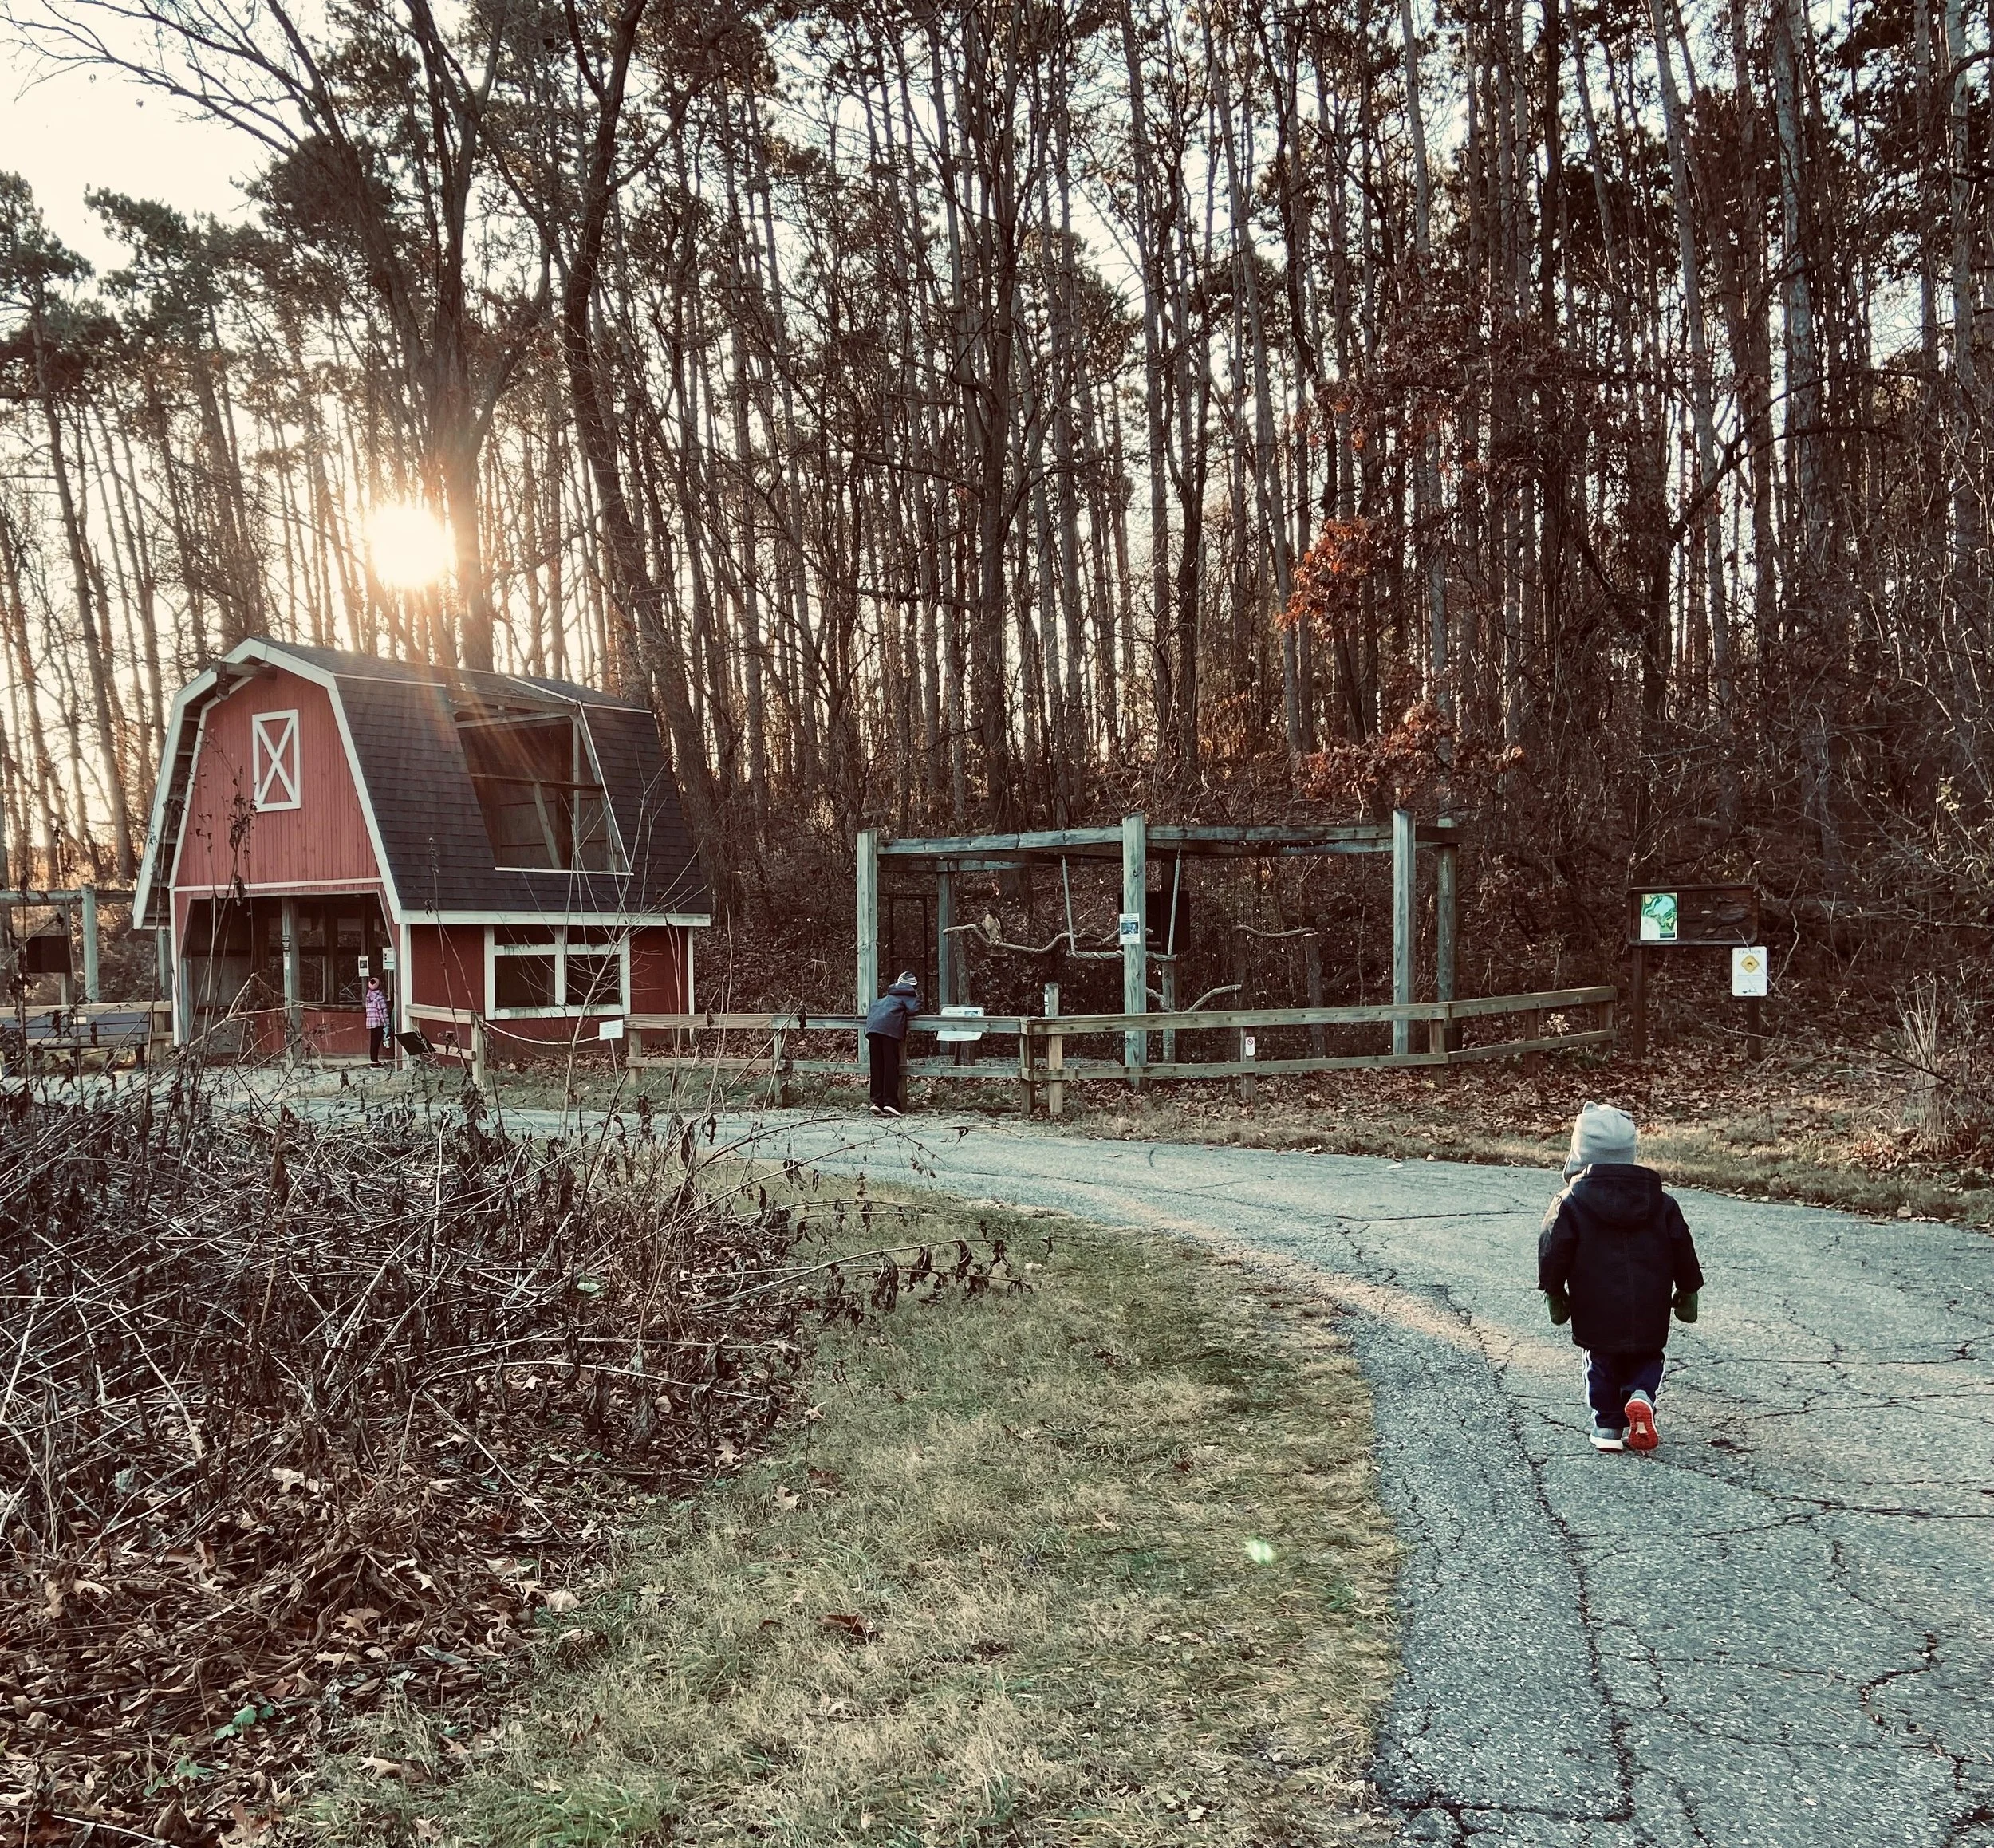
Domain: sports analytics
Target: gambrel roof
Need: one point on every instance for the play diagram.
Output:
(398, 720)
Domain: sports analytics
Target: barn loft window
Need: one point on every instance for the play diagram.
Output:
(541, 793)
(273, 759)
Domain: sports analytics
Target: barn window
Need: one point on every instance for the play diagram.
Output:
(273, 759)
(540, 792)
(542, 969)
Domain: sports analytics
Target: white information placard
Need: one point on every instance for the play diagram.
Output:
(1131, 930)
(388, 962)
(960, 1035)
(1748, 970)
(611, 1029)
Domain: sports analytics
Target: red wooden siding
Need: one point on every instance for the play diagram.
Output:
(658, 969)
(448, 967)
(322, 845)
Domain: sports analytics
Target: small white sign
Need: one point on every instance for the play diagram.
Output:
(1748, 970)
(1131, 931)
(960, 1035)
(1247, 1046)
(366, 968)
(388, 962)
(610, 1029)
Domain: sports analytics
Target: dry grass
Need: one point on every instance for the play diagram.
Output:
(1098, 1562)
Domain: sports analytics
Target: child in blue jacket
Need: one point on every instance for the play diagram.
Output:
(1615, 1255)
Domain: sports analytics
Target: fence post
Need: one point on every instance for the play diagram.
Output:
(867, 886)
(1249, 1084)
(1135, 983)
(944, 944)
(1405, 887)
(1447, 868)
(91, 989)
(1025, 1064)
(1055, 1058)
(479, 1062)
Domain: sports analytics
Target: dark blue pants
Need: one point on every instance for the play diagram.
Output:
(1611, 1380)
(884, 1052)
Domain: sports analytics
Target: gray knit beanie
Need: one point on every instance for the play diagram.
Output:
(1602, 1134)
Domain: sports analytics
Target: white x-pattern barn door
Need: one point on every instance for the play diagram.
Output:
(273, 754)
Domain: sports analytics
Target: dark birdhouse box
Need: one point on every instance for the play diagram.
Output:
(46, 953)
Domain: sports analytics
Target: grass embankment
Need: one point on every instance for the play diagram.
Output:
(1096, 1562)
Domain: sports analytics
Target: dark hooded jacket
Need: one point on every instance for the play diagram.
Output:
(1618, 1247)
(890, 1014)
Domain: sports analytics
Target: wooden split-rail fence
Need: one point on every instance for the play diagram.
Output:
(765, 1045)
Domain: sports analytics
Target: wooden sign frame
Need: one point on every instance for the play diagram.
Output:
(1715, 917)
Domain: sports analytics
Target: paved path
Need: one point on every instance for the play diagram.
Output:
(1779, 1630)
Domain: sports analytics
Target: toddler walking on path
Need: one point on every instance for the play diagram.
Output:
(1615, 1255)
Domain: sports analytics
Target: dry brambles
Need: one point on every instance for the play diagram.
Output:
(299, 1418)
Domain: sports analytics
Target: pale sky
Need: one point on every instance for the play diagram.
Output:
(67, 132)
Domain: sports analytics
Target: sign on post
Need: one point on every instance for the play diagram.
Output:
(1660, 917)
(1748, 972)
(960, 1035)
(611, 1028)
(366, 968)
(1131, 928)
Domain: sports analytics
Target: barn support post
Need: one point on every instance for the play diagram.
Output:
(294, 1007)
(1446, 926)
(1135, 983)
(945, 945)
(1405, 889)
(866, 884)
(87, 908)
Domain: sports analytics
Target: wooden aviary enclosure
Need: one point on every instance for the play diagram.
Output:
(1428, 1032)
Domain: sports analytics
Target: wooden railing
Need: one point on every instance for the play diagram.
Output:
(1040, 1055)
(91, 1026)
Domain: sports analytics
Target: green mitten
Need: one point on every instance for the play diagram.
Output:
(1560, 1304)
(1686, 1305)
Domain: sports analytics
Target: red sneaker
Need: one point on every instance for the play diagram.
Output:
(1641, 1434)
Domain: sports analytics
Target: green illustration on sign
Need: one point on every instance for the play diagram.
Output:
(1658, 915)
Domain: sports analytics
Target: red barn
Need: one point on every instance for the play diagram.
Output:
(490, 843)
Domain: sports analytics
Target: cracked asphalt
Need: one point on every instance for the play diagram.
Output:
(1777, 1629)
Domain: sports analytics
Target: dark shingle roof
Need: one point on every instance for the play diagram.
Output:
(401, 717)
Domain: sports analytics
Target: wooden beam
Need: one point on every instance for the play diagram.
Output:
(1446, 924)
(1135, 975)
(93, 988)
(1404, 890)
(944, 944)
(866, 885)
(960, 846)
(294, 1006)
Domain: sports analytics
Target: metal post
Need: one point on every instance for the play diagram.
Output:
(866, 883)
(294, 1006)
(1637, 1006)
(92, 990)
(944, 944)
(1404, 888)
(1135, 984)
(1446, 926)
